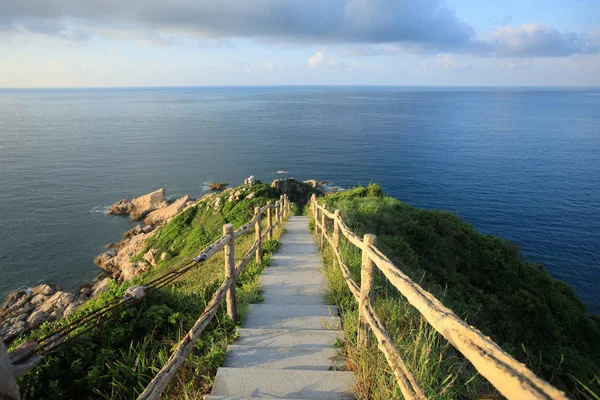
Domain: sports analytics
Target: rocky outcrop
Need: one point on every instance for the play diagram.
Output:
(298, 192)
(118, 260)
(214, 186)
(25, 310)
(249, 180)
(139, 207)
(161, 216)
(311, 182)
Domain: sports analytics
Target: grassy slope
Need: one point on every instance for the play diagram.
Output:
(119, 360)
(484, 279)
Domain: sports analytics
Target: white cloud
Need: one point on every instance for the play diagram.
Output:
(316, 60)
(449, 62)
(56, 64)
(538, 40)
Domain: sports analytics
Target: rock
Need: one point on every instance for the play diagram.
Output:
(138, 230)
(149, 256)
(36, 318)
(121, 207)
(70, 308)
(311, 182)
(103, 258)
(38, 299)
(296, 191)
(251, 196)
(100, 286)
(44, 289)
(149, 202)
(215, 186)
(160, 216)
(14, 300)
(135, 292)
(321, 183)
(140, 206)
(86, 290)
(250, 180)
(163, 256)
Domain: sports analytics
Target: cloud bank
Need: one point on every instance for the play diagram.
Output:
(428, 25)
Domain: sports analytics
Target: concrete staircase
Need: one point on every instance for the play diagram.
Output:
(286, 347)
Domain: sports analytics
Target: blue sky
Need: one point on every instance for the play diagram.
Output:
(100, 43)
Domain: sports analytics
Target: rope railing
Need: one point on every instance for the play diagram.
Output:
(29, 354)
(226, 291)
(510, 377)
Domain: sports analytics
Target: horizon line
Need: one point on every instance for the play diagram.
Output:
(306, 86)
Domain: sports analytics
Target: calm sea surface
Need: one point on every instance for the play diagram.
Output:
(520, 164)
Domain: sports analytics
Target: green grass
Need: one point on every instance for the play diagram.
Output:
(118, 360)
(484, 279)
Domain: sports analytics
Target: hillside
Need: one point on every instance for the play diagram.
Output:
(484, 279)
(120, 358)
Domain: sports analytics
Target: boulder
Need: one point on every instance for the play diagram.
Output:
(298, 192)
(150, 257)
(215, 186)
(251, 196)
(121, 207)
(140, 206)
(36, 318)
(100, 286)
(137, 230)
(311, 182)
(159, 217)
(44, 289)
(249, 180)
(149, 202)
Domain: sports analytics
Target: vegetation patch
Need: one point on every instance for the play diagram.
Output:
(538, 320)
(119, 359)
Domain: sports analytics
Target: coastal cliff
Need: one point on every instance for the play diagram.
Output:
(484, 279)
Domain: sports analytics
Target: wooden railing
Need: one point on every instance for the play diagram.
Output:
(511, 378)
(277, 212)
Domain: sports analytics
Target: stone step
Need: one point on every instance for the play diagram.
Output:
(275, 316)
(278, 282)
(288, 357)
(211, 397)
(283, 384)
(280, 338)
(297, 299)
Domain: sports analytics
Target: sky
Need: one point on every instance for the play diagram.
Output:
(128, 43)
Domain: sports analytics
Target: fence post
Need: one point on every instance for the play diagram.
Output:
(281, 209)
(336, 229)
(258, 236)
(276, 213)
(270, 219)
(323, 226)
(230, 270)
(366, 291)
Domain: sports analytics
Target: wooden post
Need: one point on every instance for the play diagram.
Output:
(323, 226)
(229, 251)
(276, 213)
(366, 291)
(280, 211)
(270, 219)
(336, 229)
(258, 236)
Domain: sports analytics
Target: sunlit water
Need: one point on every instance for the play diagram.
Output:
(520, 164)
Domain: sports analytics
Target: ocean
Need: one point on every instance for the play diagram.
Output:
(521, 164)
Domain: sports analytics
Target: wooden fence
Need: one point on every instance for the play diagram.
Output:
(275, 214)
(511, 378)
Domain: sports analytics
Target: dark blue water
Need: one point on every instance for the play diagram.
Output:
(520, 164)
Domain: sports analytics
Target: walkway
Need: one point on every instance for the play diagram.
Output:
(286, 348)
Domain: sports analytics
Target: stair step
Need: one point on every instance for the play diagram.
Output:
(211, 397)
(288, 358)
(278, 338)
(292, 299)
(282, 316)
(283, 384)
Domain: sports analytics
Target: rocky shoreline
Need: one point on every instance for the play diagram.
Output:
(24, 310)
